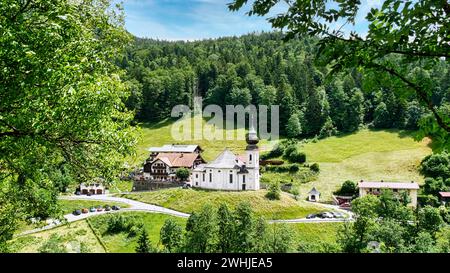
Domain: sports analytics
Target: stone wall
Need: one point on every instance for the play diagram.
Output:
(151, 185)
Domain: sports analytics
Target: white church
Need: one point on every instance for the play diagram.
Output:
(229, 171)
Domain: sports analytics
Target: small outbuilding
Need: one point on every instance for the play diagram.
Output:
(445, 197)
(92, 188)
(314, 195)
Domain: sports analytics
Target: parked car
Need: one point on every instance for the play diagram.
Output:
(77, 212)
(84, 210)
(107, 208)
(77, 193)
(337, 214)
(311, 216)
(99, 208)
(326, 215)
(92, 209)
(89, 194)
(115, 207)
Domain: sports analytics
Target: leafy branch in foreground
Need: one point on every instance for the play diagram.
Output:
(61, 101)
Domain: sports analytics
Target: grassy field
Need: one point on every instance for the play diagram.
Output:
(158, 134)
(189, 200)
(316, 234)
(81, 231)
(122, 243)
(71, 235)
(68, 206)
(366, 155)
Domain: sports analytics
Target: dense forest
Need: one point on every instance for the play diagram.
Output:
(263, 69)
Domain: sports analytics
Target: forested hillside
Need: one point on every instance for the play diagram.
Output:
(264, 69)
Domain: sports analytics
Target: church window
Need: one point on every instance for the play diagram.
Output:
(231, 178)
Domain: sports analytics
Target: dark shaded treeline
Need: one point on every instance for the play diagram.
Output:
(263, 69)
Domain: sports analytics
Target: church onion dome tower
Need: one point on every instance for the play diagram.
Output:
(252, 139)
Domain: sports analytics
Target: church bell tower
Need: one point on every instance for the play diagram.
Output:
(252, 162)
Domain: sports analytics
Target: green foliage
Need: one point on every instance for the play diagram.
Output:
(293, 127)
(182, 174)
(413, 114)
(434, 186)
(295, 192)
(280, 239)
(273, 191)
(430, 220)
(53, 245)
(226, 230)
(328, 129)
(348, 188)
(239, 97)
(297, 157)
(436, 165)
(144, 245)
(276, 151)
(118, 223)
(201, 231)
(315, 167)
(384, 50)
(62, 116)
(292, 154)
(238, 231)
(291, 168)
(388, 222)
(171, 235)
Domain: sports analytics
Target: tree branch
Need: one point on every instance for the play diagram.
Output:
(422, 95)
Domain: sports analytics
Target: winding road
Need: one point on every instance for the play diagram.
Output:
(144, 207)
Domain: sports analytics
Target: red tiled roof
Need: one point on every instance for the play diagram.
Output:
(444, 194)
(389, 185)
(177, 159)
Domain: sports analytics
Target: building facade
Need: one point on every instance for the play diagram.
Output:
(229, 171)
(163, 166)
(376, 188)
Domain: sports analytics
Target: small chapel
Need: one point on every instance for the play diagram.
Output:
(229, 171)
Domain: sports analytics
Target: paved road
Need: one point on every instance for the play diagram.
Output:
(144, 207)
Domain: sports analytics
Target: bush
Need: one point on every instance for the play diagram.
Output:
(274, 191)
(283, 168)
(297, 157)
(277, 151)
(294, 168)
(436, 166)
(315, 167)
(117, 223)
(135, 228)
(348, 188)
(182, 174)
(428, 200)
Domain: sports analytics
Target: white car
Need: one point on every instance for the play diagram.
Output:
(337, 214)
(326, 215)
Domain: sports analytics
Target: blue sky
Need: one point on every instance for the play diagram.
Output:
(200, 19)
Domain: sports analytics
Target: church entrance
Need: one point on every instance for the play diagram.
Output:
(243, 187)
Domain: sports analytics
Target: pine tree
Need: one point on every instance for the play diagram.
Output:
(144, 244)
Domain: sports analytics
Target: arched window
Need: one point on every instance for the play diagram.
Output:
(250, 157)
